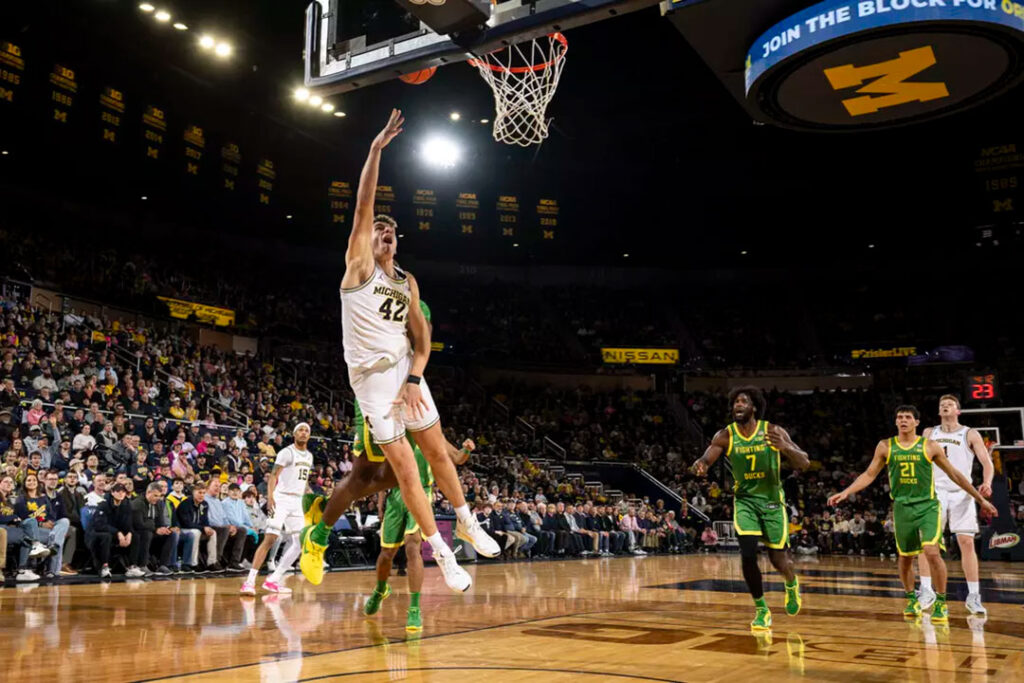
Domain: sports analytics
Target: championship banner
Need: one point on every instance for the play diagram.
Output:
(154, 127)
(12, 70)
(111, 112)
(468, 207)
(894, 352)
(230, 163)
(1000, 173)
(508, 214)
(547, 217)
(425, 204)
(62, 94)
(340, 196)
(201, 312)
(195, 144)
(265, 181)
(640, 356)
(385, 200)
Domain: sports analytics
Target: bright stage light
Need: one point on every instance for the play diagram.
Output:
(441, 152)
(316, 101)
(327, 107)
(146, 7)
(340, 114)
(180, 26)
(301, 94)
(162, 15)
(207, 42)
(223, 50)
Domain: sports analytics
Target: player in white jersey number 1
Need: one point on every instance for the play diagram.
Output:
(380, 316)
(285, 486)
(962, 444)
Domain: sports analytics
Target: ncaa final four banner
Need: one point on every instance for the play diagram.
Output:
(424, 203)
(339, 197)
(385, 200)
(265, 177)
(467, 207)
(508, 215)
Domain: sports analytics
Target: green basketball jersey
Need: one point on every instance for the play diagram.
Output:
(363, 443)
(755, 464)
(911, 474)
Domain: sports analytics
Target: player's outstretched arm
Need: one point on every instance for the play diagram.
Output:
(939, 459)
(719, 444)
(866, 477)
(779, 439)
(988, 470)
(360, 251)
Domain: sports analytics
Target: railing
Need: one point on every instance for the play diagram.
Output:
(503, 408)
(527, 427)
(549, 444)
(125, 356)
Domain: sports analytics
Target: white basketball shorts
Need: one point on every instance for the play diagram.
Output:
(377, 389)
(959, 511)
(288, 517)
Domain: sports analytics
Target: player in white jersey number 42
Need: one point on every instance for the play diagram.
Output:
(387, 345)
(961, 444)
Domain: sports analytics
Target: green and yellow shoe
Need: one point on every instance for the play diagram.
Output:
(414, 620)
(762, 620)
(940, 612)
(313, 505)
(376, 597)
(312, 561)
(793, 601)
(913, 608)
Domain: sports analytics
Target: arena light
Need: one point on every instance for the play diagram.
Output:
(180, 26)
(455, 116)
(515, 244)
(5, 152)
(207, 42)
(146, 7)
(223, 50)
(485, 121)
(625, 256)
(288, 217)
(327, 107)
(340, 114)
(301, 94)
(163, 16)
(316, 101)
(743, 253)
(143, 197)
(440, 152)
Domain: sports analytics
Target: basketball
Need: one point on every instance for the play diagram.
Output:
(418, 77)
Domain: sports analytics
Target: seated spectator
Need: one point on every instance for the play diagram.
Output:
(19, 533)
(110, 530)
(51, 529)
(227, 533)
(709, 539)
(72, 497)
(192, 517)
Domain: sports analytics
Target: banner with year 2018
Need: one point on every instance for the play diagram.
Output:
(547, 217)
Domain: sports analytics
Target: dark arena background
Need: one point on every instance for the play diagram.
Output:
(632, 220)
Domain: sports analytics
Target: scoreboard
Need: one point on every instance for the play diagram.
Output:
(981, 388)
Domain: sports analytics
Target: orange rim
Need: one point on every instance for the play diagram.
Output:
(524, 69)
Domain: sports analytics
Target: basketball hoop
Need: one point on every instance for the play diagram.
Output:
(524, 78)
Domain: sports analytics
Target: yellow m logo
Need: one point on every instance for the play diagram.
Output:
(507, 232)
(549, 234)
(1001, 205)
(889, 82)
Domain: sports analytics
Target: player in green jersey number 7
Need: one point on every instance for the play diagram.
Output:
(910, 460)
(753, 448)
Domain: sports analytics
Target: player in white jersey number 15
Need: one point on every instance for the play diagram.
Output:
(285, 486)
(387, 345)
(961, 444)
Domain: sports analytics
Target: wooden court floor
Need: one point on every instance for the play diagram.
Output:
(675, 618)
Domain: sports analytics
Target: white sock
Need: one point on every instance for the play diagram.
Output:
(926, 583)
(437, 543)
(463, 513)
(253, 573)
(291, 553)
(974, 586)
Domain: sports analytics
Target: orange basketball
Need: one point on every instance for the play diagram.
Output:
(417, 77)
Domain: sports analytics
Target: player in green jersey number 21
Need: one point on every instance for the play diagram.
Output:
(910, 460)
(753, 448)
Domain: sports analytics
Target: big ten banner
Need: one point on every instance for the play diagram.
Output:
(508, 215)
(154, 130)
(339, 196)
(230, 164)
(185, 310)
(195, 148)
(999, 170)
(265, 177)
(467, 207)
(424, 204)
(63, 87)
(12, 70)
(547, 217)
(385, 200)
(112, 108)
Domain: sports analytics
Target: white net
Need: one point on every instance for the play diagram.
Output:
(524, 78)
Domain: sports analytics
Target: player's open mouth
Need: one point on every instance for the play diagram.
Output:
(388, 239)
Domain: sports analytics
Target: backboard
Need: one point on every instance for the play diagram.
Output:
(337, 66)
